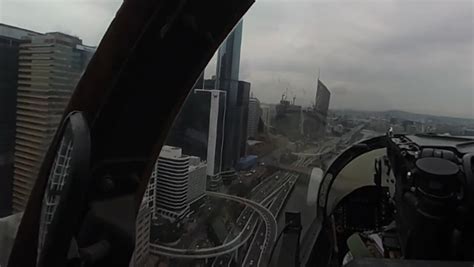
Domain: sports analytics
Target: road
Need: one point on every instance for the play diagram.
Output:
(265, 215)
(263, 193)
(259, 251)
(278, 191)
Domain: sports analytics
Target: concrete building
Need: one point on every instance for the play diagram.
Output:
(172, 179)
(197, 179)
(10, 39)
(255, 112)
(50, 65)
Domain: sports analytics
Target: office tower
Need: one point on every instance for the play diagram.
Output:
(197, 179)
(216, 131)
(50, 65)
(321, 107)
(10, 38)
(199, 129)
(243, 97)
(228, 60)
(322, 99)
(315, 120)
(172, 178)
(255, 112)
(227, 79)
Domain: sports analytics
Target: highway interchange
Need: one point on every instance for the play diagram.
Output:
(256, 227)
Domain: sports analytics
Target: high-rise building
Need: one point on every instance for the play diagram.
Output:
(322, 99)
(159, 197)
(228, 61)
(172, 179)
(49, 67)
(255, 112)
(10, 39)
(243, 97)
(321, 107)
(199, 129)
(315, 119)
(227, 79)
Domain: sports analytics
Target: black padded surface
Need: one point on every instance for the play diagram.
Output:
(365, 262)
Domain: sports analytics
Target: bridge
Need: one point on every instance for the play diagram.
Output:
(242, 238)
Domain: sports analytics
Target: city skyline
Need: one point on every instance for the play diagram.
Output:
(232, 174)
(395, 58)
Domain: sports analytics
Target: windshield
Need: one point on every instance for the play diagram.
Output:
(294, 84)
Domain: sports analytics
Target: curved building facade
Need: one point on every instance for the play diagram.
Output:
(172, 178)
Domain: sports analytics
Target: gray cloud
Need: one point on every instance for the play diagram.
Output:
(385, 54)
(416, 56)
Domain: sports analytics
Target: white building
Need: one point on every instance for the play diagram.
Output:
(171, 178)
(215, 145)
(197, 179)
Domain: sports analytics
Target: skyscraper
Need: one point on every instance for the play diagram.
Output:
(322, 99)
(321, 106)
(228, 61)
(243, 97)
(199, 129)
(171, 176)
(255, 112)
(228, 64)
(215, 143)
(10, 38)
(315, 120)
(49, 67)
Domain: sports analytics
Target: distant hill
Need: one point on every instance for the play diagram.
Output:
(404, 115)
(421, 117)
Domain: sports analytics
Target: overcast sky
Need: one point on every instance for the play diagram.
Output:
(373, 55)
